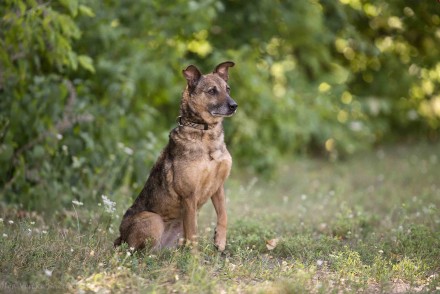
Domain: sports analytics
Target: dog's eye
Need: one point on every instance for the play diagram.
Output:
(228, 90)
(212, 91)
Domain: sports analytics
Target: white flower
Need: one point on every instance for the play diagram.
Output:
(44, 231)
(5, 235)
(59, 136)
(76, 202)
(10, 221)
(319, 262)
(128, 150)
(108, 204)
(1, 220)
(48, 272)
(356, 126)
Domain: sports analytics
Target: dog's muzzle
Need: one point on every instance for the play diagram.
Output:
(226, 109)
(233, 106)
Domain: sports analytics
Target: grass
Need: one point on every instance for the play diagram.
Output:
(369, 224)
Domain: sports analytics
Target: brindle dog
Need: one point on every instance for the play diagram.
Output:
(190, 170)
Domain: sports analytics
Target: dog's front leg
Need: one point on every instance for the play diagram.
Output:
(219, 202)
(190, 220)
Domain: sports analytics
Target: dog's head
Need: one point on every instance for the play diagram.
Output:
(207, 97)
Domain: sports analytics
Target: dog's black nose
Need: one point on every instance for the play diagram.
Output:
(233, 106)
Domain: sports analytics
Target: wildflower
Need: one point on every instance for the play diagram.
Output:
(5, 235)
(76, 202)
(128, 151)
(59, 136)
(319, 262)
(128, 253)
(131, 248)
(32, 223)
(44, 231)
(1, 220)
(10, 222)
(48, 272)
(108, 204)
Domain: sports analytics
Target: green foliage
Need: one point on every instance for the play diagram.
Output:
(306, 248)
(253, 234)
(417, 240)
(408, 269)
(90, 89)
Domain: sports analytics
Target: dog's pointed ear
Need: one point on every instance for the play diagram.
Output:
(192, 76)
(222, 69)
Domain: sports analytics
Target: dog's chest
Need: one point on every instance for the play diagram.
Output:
(201, 172)
(213, 167)
(219, 156)
(213, 172)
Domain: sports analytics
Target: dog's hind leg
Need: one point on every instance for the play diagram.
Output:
(173, 233)
(141, 229)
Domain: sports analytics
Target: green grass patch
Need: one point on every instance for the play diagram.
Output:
(369, 224)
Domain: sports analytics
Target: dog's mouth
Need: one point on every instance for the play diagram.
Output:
(218, 114)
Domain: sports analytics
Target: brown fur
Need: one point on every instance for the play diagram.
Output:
(190, 170)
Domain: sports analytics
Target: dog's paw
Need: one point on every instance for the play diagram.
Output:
(220, 246)
(117, 242)
(220, 240)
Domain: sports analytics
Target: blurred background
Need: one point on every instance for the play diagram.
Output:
(89, 90)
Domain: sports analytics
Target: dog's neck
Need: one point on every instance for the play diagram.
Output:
(185, 122)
